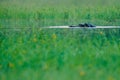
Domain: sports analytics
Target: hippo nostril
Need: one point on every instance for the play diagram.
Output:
(86, 25)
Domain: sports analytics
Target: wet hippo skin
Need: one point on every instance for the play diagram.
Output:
(83, 25)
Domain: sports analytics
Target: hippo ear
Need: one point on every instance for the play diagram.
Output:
(86, 25)
(81, 25)
(90, 25)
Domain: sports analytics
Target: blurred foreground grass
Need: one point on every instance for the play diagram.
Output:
(59, 54)
(56, 54)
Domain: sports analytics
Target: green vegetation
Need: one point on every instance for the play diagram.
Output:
(50, 54)
(36, 13)
(59, 54)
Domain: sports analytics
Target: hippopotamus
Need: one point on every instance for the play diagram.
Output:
(83, 25)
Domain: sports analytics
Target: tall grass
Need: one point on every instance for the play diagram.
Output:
(69, 54)
(34, 13)
(36, 53)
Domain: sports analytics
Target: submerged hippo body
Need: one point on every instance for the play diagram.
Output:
(84, 25)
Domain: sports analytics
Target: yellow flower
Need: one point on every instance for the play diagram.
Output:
(0, 66)
(82, 73)
(45, 67)
(110, 78)
(42, 41)
(34, 39)
(20, 41)
(11, 65)
(24, 51)
(101, 33)
(90, 65)
(20, 62)
(54, 36)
